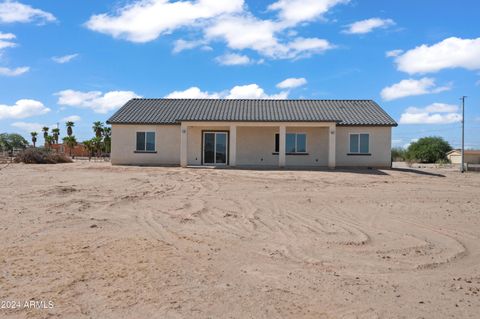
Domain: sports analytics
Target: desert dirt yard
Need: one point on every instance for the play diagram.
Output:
(155, 242)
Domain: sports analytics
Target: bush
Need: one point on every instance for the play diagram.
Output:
(428, 150)
(41, 156)
(398, 154)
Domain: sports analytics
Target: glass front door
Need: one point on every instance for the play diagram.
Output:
(215, 148)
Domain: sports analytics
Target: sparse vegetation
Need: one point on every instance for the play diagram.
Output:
(11, 142)
(430, 149)
(41, 156)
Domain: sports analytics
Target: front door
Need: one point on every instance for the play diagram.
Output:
(215, 148)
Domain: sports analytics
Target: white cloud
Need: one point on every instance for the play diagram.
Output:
(447, 54)
(249, 91)
(233, 59)
(22, 109)
(393, 53)
(28, 126)
(368, 25)
(6, 41)
(291, 83)
(253, 91)
(14, 72)
(292, 12)
(412, 87)
(13, 11)
(71, 118)
(146, 20)
(226, 21)
(436, 113)
(95, 100)
(65, 58)
(192, 93)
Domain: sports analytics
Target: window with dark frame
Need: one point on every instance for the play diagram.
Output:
(145, 142)
(295, 143)
(359, 143)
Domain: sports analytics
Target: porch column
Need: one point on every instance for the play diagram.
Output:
(233, 145)
(281, 147)
(332, 134)
(183, 145)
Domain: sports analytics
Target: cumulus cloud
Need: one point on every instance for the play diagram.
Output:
(368, 25)
(71, 118)
(95, 100)
(393, 53)
(293, 12)
(226, 21)
(22, 109)
(146, 20)
(14, 72)
(13, 11)
(411, 87)
(436, 113)
(233, 59)
(192, 93)
(249, 91)
(292, 83)
(65, 58)
(447, 54)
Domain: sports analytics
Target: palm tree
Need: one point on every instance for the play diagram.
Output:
(56, 133)
(69, 126)
(89, 147)
(97, 145)
(107, 140)
(34, 138)
(98, 128)
(70, 141)
(48, 141)
(45, 131)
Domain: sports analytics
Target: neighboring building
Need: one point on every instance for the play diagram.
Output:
(285, 133)
(471, 156)
(78, 150)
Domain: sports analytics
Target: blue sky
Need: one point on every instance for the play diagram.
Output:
(82, 60)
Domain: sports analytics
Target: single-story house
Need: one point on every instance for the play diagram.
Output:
(471, 156)
(242, 132)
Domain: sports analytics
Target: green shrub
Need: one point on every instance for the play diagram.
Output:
(41, 156)
(428, 150)
(398, 154)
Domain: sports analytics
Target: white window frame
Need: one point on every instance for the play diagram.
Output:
(296, 133)
(359, 151)
(145, 150)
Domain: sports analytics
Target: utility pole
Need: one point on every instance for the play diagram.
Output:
(462, 167)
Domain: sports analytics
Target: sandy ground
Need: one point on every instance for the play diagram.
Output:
(131, 242)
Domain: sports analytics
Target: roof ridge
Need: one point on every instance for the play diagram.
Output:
(225, 99)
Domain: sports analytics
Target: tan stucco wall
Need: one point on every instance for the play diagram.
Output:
(456, 158)
(167, 145)
(255, 146)
(380, 147)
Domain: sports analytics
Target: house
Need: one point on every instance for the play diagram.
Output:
(471, 156)
(268, 133)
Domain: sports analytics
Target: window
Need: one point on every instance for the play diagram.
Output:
(359, 143)
(145, 142)
(294, 143)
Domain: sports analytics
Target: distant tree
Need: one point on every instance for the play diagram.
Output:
(89, 147)
(69, 126)
(49, 140)
(398, 154)
(56, 134)
(429, 150)
(70, 141)
(45, 131)
(97, 145)
(98, 128)
(34, 138)
(10, 142)
(107, 139)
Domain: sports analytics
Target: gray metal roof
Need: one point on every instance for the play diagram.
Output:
(174, 111)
